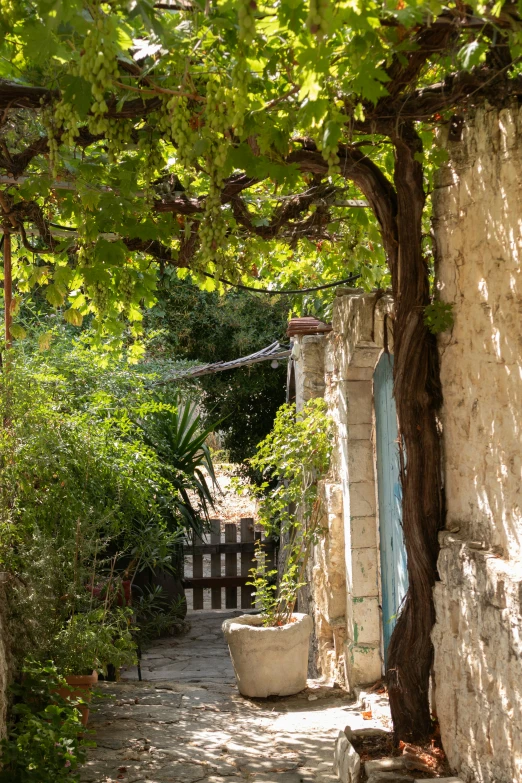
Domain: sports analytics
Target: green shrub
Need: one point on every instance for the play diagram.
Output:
(297, 454)
(98, 475)
(44, 743)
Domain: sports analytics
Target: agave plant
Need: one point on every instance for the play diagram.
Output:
(178, 437)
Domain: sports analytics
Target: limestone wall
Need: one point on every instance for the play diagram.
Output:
(478, 635)
(358, 339)
(343, 594)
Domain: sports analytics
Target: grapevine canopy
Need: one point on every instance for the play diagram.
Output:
(235, 139)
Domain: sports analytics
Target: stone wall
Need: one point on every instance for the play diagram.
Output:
(344, 595)
(478, 635)
(358, 339)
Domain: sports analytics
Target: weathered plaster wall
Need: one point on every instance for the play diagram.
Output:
(308, 360)
(344, 578)
(478, 635)
(308, 355)
(359, 336)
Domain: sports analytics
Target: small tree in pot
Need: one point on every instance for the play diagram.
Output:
(270, 651)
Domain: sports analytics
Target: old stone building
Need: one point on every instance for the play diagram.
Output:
(358, 572)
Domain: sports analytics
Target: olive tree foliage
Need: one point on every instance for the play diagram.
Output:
(230, 139)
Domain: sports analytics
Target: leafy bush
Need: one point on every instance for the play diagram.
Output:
(88, 498)
(44, 743)
(297, 453)
(92, 640)
(178, 439)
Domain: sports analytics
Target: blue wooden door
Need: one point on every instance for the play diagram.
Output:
(394, 574)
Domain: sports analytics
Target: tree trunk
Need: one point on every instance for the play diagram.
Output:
(418, 397)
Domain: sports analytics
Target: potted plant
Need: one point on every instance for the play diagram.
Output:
(86, 645)
(270, 651)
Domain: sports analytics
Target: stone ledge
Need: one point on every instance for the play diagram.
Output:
(347, 762)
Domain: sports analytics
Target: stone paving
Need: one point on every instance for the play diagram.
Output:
(187, 723)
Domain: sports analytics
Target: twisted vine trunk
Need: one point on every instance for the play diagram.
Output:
(398, 208)
(418, 397)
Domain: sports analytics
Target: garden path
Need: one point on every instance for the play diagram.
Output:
(187, 723)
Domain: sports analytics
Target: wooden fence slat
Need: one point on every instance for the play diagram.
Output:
(231, 566)
(214, 581)
(231, 547)
(223, 549)
(247, 560)
(197, 572)
(215, 562)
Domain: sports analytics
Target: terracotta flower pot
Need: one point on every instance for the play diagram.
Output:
(80, 687)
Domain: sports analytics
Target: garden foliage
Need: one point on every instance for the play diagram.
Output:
(203, 326)
(296, 453)
(101, 479)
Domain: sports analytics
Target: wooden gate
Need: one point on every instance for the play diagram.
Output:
(394, 573)
(219, 543)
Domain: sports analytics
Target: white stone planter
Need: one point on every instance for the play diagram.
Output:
(269, 661)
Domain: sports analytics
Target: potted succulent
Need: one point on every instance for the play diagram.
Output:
(270, 651)
(86, 645)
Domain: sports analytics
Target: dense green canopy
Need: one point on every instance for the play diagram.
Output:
(227, 137)
(234, 140)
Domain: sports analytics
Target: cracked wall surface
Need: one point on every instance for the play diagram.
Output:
(478, 634)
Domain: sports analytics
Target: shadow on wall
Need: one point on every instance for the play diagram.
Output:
(479, 618)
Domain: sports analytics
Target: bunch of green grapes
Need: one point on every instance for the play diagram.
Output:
(47, 116)
(219, 106)
(97, 291)
(328, 143)
(240, 84)
(99, 66)
(100, 297)
(247, 23)
(213, 229)
(330, 154)
(176, 122)
(119, 136)
(317, 22)
(151, 163)
(126, 287)
(61, 123)
(67, 119)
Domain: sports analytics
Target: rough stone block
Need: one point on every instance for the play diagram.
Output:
(334, 498)
(360, 431)
(364, 572)
(383, 765)
(352, 373)
(362, 499)
(366, 621)
(359, 402)
(441, 780)
(360, 461)
(366, 356)
(389, 777)
(363, 532)
(347, 763)
(363, 662)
